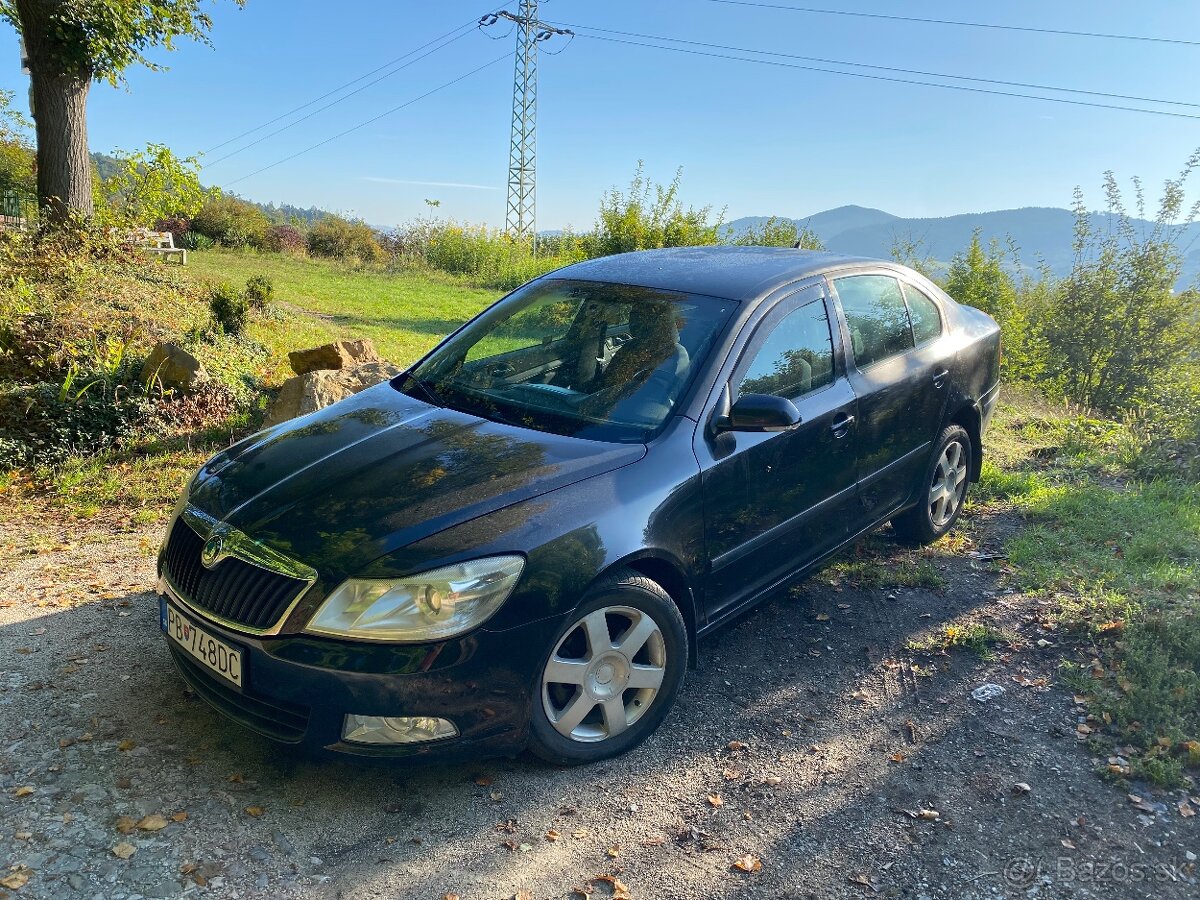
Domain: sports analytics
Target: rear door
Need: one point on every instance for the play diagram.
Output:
(776, 501)
(901, 387)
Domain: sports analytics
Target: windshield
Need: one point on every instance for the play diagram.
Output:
(587, 359)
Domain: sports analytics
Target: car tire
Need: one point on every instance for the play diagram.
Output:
(943, 491)
(598, 695)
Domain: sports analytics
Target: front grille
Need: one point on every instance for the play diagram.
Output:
(275, 719)
(233, 590)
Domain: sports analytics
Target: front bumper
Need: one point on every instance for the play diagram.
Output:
(297, 689)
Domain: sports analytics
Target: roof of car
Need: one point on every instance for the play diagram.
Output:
(733, 273)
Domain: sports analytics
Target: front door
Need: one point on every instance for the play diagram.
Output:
(774, 502)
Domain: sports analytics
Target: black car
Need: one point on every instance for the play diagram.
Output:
(519, 541)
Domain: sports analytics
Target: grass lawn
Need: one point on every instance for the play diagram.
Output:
(404, 314)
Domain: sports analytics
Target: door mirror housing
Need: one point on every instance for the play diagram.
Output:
(759, 412)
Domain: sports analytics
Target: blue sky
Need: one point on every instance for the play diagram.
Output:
(754, 139)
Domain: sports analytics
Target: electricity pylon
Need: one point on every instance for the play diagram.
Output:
(521, 217)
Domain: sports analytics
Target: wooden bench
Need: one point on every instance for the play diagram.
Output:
(13, 223)
(159, 242)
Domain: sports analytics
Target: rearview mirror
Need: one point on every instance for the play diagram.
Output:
(759, 412)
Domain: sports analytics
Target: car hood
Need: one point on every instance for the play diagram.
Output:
(341, 487)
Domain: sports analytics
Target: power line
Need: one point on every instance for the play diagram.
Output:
(341, 87)
(334, 103)
(894, 80)
(1027, 28)
(374, 119)
(842, 62)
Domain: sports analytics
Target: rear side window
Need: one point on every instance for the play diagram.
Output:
(877, 317)
(795, 358)
(926, 319)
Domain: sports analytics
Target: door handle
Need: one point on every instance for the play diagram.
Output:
(940, 378)
(841, 423)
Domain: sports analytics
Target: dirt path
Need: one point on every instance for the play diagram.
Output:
(847, 737)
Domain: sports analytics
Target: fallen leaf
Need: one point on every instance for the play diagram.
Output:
(508, 827)
(124, 850)
(928, 815)
(655, 840)
(255, 811)
(187, 868)
(483, 780)
(613, 852)
(773, 780)
(23, 791)
(126, 745)
(236, 778)
(126, 825)
(451, 897)
(522, 895)
(736, 746)
(579, 834)
(1186, 809)
(1083, 729)
(552, 835)
(180, 816)
(64, 743)
(619, 890)
(23, 835)
(747, 863)
(864, 880)
(822, 617)
(16, 880)
(714, 800)
(496, 796)
(153, 822)
(1068, 844)
(897, 757)
(731, 774)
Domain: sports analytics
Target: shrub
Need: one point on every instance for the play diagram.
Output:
(777, 232)
(177, 225)
(342, 239)
(232, 223)
(284, 239)
(259, 291)
(155, 184)
(230, 308)
(651, 216)
(193, 240)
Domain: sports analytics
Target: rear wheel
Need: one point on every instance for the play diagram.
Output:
(944, 493)
(612, 674)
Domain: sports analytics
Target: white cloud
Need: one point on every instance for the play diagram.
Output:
(444, 184)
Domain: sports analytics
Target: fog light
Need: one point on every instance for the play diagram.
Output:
(396, 729)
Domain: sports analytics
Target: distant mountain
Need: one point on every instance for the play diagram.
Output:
(1039, 234)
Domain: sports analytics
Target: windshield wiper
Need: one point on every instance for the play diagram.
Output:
(425, 388)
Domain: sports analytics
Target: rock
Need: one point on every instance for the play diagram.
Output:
(315, 390)
(173, 367)
(338, 355)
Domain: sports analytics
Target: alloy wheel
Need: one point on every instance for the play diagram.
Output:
(949, 484)
(604, 674)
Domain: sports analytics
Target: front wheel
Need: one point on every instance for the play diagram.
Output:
(612, 674)
(944, 493)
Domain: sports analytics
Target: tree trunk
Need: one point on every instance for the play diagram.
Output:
(64, 168)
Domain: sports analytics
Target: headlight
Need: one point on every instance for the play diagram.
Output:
(423, 607)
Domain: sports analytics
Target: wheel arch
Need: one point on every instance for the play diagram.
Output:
(669, 574)
(967, 417)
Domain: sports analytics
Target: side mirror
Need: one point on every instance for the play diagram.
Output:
(759, 412)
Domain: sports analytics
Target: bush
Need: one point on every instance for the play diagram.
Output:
(177, 225)
(339, 238)
(259, 291)
(230, 308)
(232, 223)
(284, 239)
(777, 232)
(651, 216)
(193, 240)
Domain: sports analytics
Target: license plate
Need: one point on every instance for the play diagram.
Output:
(213, 653)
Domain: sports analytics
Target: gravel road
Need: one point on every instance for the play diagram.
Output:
(810, 742)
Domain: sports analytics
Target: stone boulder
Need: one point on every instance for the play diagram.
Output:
(315, 390)
(338, 355)
(173, 367)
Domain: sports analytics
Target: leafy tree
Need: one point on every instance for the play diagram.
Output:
(651, 216)
(154, 184)
(72, 43)
(1117, 327)
(909, 250)
(779, 232)
(16, 151)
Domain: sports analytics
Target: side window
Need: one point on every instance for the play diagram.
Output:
(876, 315)
(926, 320)
(795, 358)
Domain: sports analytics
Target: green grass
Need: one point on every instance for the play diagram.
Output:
(877, 563)
(973, 636)
(319, 300)
(1118, 560)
